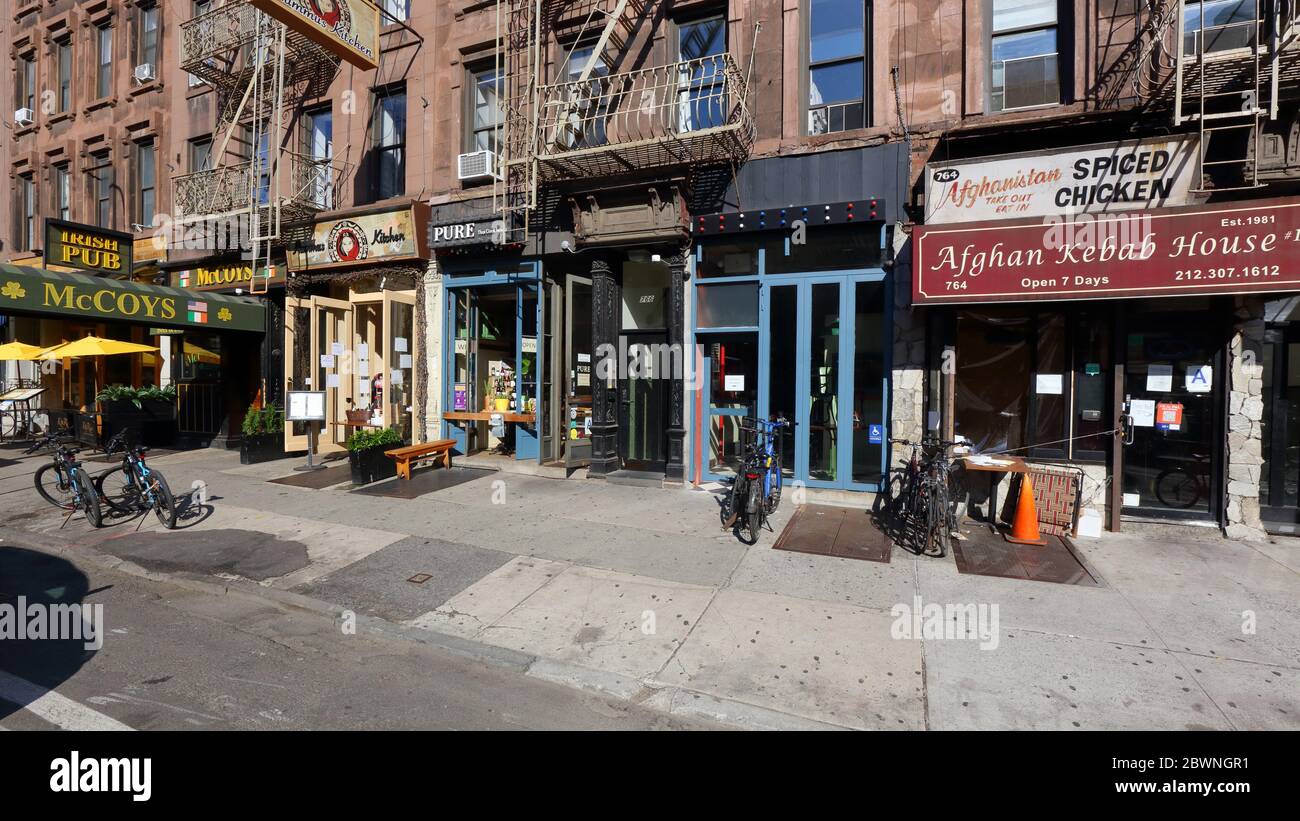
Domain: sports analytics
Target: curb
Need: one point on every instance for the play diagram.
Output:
(668, 699)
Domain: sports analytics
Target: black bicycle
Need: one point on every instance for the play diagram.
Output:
(64, 483)
(756, 488)
(918, 502)
(133, 486)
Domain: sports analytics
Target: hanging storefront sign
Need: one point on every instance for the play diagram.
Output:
(1096, 179)
(390, 236)
(1233, 248)
(348, 28)
(225, 277)
(479, 232)
(38, 292)
(70, 245)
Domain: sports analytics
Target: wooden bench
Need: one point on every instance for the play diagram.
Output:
(408, 456)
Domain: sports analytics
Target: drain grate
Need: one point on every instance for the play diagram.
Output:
(419, 578)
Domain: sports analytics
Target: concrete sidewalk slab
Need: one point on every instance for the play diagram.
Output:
(377, 584)
(1252, 696)
(828, 662)
(485, 602)
(870, 585)
(1044, 682)
(615, 622)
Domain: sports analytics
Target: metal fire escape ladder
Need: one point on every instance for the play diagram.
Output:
(1222, 89)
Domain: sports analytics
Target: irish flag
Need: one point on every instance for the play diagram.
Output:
(198, 312)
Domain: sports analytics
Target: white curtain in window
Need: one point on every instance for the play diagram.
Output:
(1015, 14)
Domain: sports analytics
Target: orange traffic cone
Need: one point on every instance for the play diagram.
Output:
(1024, 530)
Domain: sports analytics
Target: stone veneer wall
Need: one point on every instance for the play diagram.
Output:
(1245, 441)
(907, 394)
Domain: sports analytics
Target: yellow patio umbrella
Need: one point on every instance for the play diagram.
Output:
(19, 351)
(93, 346)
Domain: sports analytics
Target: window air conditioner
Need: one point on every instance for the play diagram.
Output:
(24, 116)
(478, 165)
(145, 73)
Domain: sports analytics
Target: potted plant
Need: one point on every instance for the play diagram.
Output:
(148, 414)
(366, 457)
(263, 435)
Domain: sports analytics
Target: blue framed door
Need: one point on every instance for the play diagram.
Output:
(830, 376)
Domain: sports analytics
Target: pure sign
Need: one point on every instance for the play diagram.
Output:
(71, 245)
(1230, 248)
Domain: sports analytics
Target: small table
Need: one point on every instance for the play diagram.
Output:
(1002, 464)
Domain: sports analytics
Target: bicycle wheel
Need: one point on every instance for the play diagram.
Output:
(52, 484)
(1177, 488)
(731, 504)
(938, 525)
(164, 506)
(773, 500)
(89, 499)
(753, 514)
(117, 488)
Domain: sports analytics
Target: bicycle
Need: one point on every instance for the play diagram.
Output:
(922, 501)
(756, 488)
(133, 486)
(64, 484)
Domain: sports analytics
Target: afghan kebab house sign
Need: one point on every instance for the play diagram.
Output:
(348, 28)
(1228, 248)
(1096, 179)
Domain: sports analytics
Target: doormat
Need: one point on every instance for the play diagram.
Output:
(985, 553)
(424, 481)
(824, 530)
(316, 479)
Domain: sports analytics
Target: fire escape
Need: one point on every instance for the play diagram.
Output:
(1225, 70)
(603, 115)
(259, 70)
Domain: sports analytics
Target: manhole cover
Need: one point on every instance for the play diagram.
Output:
(419, 578)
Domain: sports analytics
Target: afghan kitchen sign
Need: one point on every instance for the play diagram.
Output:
(1221, 249)
(70, 245)
(226, 277)
(44, 293)
(1097, 179)
(348, 28)
(391, 236)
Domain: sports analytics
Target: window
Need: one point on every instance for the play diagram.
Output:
(102, 181)
(146, 168)
(318, 146)
(1219, 25)
(837, 66)
(396, 10)
(487, 117)
(1023, 51)
(62, 192)
(104, 70)
(1034, 382)
(702, 101)
(200, 8)
(26, 239)
(590, 102)
(63, 49)
(200, 154)
(26, 90)
(148, 50)
(389, 143)
(261, 160)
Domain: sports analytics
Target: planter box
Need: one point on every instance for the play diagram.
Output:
(152, 424)
(371, 465)
(264, 447)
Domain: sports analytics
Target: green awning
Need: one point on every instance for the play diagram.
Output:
(39, 292)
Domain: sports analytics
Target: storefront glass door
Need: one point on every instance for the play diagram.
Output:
(1172, 386)
(1279, 481)
(825, 368)
(332, 337)
(641, 404)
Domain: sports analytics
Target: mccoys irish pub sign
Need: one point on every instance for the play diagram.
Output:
(70, 245)
(47, 293)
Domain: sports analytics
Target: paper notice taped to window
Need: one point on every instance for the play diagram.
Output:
(1143, 412)
(1160, 378)
(1050, 383)
(1199, 378)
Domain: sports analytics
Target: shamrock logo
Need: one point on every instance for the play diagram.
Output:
(224, 315)
(13, 290)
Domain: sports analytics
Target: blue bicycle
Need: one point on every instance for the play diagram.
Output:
(756, 489)
(64, 483)
(133, 486)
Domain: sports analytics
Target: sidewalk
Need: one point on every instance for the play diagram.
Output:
(636, 592)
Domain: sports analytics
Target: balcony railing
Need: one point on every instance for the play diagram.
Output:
(690, 112)
(228, 190)
(217, 48)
